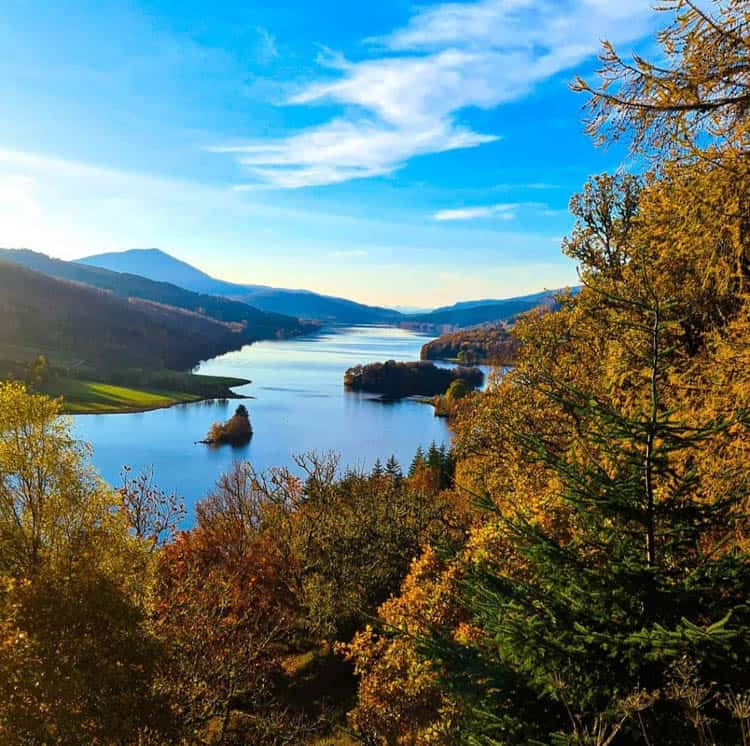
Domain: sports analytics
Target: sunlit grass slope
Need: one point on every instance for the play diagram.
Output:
(89, 397)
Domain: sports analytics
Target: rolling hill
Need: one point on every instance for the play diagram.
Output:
(254, 323)
(158, 265)
(79, 326)
(473, 313)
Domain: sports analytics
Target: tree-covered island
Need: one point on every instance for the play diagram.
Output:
(418, 378)
(236, 431)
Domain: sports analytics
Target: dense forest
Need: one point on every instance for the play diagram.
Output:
(491, 343)
(413, 378)
(106, 347)
(574, 572)
(100, 330)
(255, 324)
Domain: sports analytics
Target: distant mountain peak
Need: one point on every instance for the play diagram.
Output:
(163, 267)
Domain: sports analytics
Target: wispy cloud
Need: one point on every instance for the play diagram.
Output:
(504, 211)
(501, 210)
(408, 98)
(266, 50)
(348, 254)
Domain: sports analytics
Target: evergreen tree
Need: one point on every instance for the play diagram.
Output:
(622, 611)
(636, 588)
(417, 461)
(377, 469)
(393, 470)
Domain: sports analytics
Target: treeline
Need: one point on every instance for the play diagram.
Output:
(490, 344)
(395, 379)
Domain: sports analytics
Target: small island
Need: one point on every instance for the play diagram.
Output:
(418, 378)
(236, 431)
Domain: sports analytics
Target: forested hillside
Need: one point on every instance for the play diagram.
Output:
(256, 324)
(80, 325)
(489, 343)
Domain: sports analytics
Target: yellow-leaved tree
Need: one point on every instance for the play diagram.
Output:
(77, 656)
(601, 596)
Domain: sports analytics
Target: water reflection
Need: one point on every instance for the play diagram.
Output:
(299, 404)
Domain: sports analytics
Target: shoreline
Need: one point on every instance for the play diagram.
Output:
(73, 412)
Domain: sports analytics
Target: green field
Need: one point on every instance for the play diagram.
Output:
(93, 397)
(89, 397)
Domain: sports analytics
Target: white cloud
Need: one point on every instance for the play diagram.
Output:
(501, 210)
(348, 254)
(505, 211)
(407, 99)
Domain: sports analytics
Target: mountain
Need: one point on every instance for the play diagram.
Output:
(81, 326)
(158, 265)
(472, 313)
(536, 298)
(254, 323)
(161, 267)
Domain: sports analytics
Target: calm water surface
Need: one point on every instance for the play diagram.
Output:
(300, 404)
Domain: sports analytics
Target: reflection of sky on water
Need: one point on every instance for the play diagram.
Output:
(300, 405)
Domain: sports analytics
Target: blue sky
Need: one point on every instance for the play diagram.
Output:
(397, 153)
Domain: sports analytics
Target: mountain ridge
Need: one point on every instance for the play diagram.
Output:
(158, 265)
(99, 329)
(256, 324)
(161, 266)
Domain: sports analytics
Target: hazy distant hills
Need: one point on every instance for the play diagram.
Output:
(255, 324)
(158, 265)
(473, 313)
(78, 325)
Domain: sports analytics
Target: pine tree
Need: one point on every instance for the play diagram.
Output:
(417, 461)
(393, 470)
(637, 587)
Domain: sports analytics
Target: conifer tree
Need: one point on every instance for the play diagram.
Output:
(377, 469)
(393, 469)
(605, 622)
(417, 461)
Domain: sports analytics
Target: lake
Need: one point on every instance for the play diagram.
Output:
(299, 405)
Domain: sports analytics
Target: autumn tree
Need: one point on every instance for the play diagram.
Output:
(78, 657)
(603, 594)
(695, 100)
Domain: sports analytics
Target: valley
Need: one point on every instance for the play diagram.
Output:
(117, 341)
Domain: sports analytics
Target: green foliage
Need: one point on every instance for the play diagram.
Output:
(77, 657)
(408, 379)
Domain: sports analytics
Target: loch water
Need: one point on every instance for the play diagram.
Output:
(299, 404)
